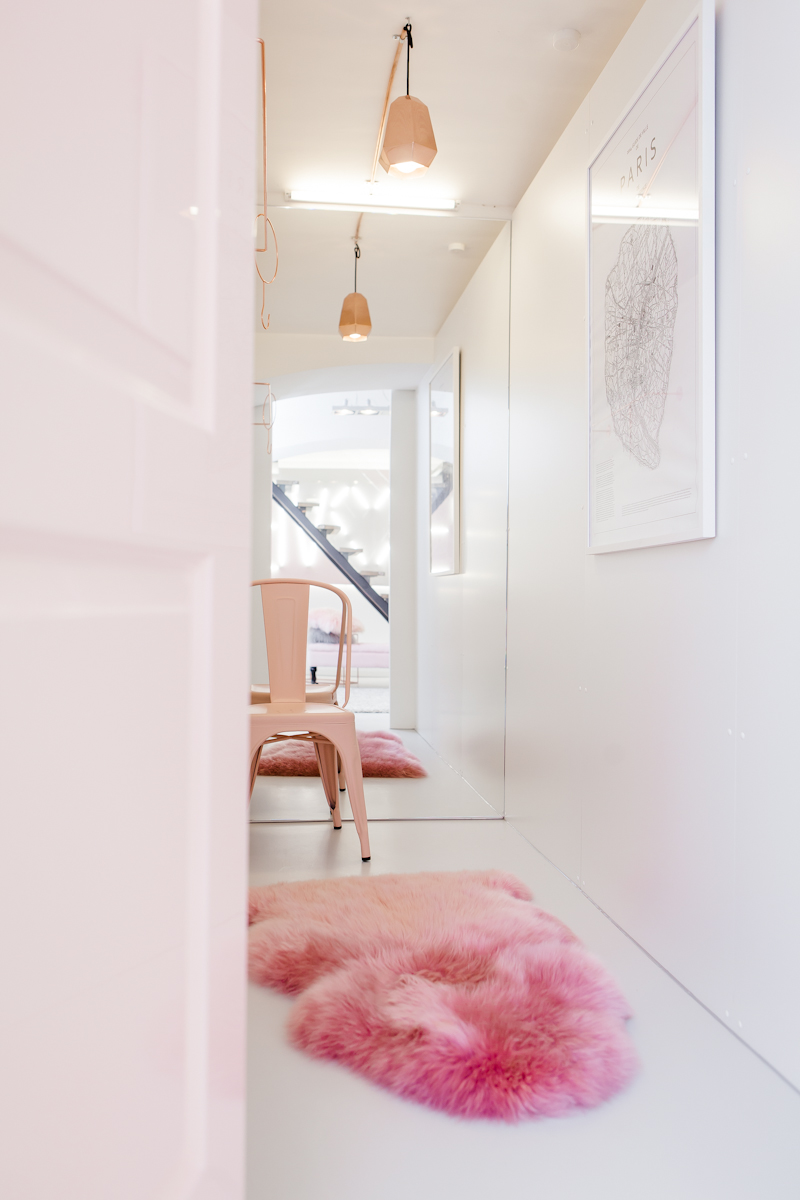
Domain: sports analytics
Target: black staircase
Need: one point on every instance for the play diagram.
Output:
(338, 560)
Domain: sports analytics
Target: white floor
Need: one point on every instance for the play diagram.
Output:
(443, 794)
(705, 1119)
(367, 699)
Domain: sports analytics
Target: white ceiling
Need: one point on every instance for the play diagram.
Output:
(307, 425)
(410, 278)
(499, 95)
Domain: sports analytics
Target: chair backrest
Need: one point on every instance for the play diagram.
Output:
(285, 605)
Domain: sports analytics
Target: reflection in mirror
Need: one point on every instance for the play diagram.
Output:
(445, 445)
(439, 537)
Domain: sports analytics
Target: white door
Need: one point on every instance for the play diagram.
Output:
(126, 187)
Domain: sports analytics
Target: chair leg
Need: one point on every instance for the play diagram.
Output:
(256, 759)
(340, 769)
(326, 761)
(351, 761)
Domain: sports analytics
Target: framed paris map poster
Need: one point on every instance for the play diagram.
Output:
(651, 308)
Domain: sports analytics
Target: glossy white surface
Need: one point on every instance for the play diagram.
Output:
(124, 521)
(705, 1119)
(758, 189)
(403, 541)
(461, 618)
(652, 701)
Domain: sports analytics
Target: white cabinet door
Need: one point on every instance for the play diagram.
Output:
(126, 159)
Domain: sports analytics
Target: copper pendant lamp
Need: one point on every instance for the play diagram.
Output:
(409, 146)
(354, 323)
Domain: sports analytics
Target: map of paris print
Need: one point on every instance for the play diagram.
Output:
(641, 306)
(647, 430)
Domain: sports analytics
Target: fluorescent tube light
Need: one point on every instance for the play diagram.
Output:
(356, 199)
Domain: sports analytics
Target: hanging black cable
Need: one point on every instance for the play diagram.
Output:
(407, 29)
(354, 323)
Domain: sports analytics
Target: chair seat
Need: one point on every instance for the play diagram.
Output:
(279, 710)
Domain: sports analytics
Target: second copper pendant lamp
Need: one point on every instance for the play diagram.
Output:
(409, 146)
(354, 323)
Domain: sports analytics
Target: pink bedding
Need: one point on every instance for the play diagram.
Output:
(365, 654)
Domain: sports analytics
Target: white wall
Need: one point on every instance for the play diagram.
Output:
(461, 618)
(403, 541)
(306, 363)
(653, 705)
(306, 424)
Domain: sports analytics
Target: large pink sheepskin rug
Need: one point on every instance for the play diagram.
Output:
(451, 989)
(383, 756)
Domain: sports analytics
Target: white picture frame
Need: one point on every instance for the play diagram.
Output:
(651, 307)
(444, 460)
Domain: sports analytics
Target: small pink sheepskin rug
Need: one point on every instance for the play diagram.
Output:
(451, 989)
(383, 756)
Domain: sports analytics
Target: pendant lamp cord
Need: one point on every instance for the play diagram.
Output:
(399, 38)
(407, 31)
(355, 272)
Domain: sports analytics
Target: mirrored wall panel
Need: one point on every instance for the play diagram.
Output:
(445, 444)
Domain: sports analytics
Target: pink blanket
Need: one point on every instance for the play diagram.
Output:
(365, 654)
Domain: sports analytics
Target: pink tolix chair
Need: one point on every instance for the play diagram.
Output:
(290, 715)
(317, 693)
